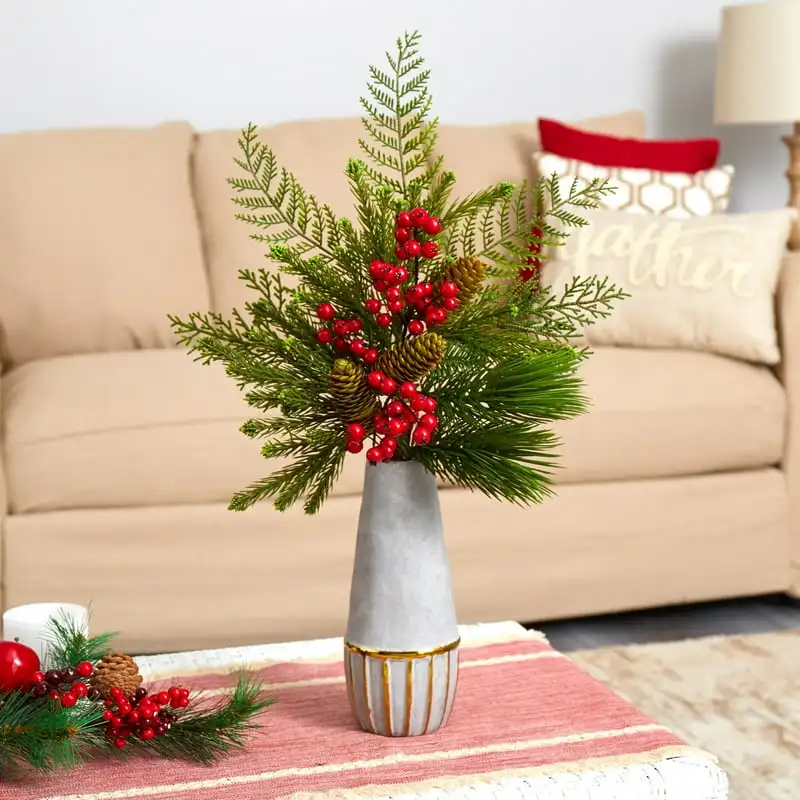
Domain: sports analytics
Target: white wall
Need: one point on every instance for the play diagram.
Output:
(222, 63)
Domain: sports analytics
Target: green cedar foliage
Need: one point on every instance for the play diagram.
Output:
(510, 368)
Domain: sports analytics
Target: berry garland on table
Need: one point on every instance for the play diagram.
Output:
(96, 705)
(413, 334)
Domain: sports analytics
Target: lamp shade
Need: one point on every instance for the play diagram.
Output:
(758, 63)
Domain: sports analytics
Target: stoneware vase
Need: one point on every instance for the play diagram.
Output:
(401, 647)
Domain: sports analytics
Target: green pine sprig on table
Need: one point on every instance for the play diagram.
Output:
(39, 735)
(510, 367)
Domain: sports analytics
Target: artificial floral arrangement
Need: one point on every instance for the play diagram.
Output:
(409, 333)
(87, 701)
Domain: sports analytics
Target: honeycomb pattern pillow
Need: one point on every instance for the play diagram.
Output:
(646, 191)
(705, 283)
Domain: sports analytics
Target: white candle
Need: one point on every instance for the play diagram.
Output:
(31, 624)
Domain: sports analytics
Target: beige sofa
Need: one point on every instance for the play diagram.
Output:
(119, 453)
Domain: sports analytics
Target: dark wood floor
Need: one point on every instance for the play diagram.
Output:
(752, 615)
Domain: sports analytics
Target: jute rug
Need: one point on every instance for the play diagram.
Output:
(737, 697)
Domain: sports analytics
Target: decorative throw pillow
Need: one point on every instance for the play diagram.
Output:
(667, 155)
(646, 191)
(703, 283)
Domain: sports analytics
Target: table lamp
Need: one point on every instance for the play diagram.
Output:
(758, 76)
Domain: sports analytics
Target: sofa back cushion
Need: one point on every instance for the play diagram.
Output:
(98, 240)
(317, 151)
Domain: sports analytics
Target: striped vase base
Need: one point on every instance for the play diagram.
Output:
(401, 694)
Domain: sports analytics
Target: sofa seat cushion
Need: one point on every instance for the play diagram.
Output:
(151, 428)
(661, 413)
(139, 428)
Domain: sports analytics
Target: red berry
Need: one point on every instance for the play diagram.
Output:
(355, 430)
(376, 269)
(116, 692)
(395, 408)
(430, 421)
(84, 669)
(384, 320)
(375, 379)
(54, 694)
(430, 250)
(403, 220)
(402, 235)
(108, 703)
(133, 718)
(396, 306)
(429, 405)
(413, 248)
(357, 347)
(340, 327)
(37, 677)
(340, 343)
(80, 688)
(374, 455)
(432, 226)
(120, 743)
(400, 253)
(415, 327)
(450, 303)
(371, 356)
(394, 294)
(353, 325)
(124, 708)
(68, 699)
(325, 311)
(400, 275)
(380, 285)
(388, 446)
(354, 446)
(426, 288)
(147, 712)
(116, 722)
(419, 403)
(421, 436)
(183, 701)
(431, 316)
(381, 422)
(448, 289)
(373, 305)
(418, 217)
(324, 336)
(174, 691)
(388, 385)
(413, 295)
(397, 427)
(408, 390)
(441, 316)
(108, 715)
(147, 734)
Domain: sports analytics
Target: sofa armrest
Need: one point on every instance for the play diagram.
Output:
(788, 310)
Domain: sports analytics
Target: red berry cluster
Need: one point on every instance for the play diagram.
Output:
(65, 685)
(409, 224)
(432, 304)
(143, 715)
(405, 411)
(343, 335)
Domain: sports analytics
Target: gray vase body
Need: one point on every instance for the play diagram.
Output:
(401, 647)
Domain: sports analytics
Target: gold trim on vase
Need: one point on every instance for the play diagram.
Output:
(402, 654)
(409, 694)
(367, 709)
(387, 698)
(429, 707)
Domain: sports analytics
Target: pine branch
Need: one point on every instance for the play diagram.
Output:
(205, 734)
(68, 645)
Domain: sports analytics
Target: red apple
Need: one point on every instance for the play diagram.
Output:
(18, 663)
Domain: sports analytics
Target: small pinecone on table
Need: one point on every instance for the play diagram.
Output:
(468, 273)
(413, 359)
(116, 669)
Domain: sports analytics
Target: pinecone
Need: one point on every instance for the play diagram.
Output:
(353, 399)
(468, 273)
(412, 359)
(116, 669)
